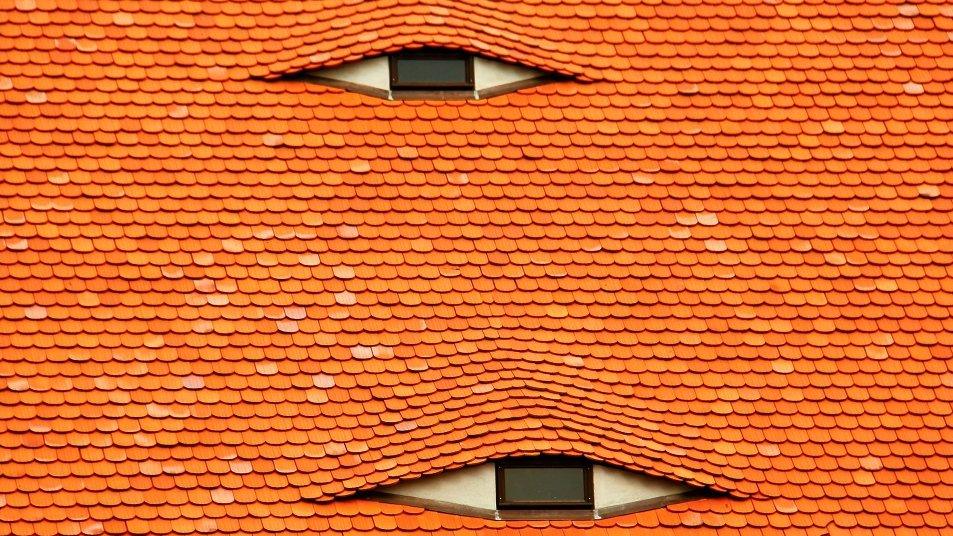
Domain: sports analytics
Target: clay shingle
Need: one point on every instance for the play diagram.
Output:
(719, 252)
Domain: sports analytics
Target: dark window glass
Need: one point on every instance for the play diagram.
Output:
(544, 482)
(431, 69)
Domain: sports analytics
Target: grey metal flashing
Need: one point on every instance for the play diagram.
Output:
(347, 86)
(448, 95)
(542, 514)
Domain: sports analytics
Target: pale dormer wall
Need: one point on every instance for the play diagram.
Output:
(372, 73)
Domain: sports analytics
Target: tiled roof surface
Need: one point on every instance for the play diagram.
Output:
(721, 254)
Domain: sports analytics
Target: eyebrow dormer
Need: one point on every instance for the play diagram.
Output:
(429, 73)
(539, 487)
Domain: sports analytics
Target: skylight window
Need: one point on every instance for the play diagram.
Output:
(430, 73)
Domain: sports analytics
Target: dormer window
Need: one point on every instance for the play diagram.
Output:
(429, 73)
(435, 70)
(544, 482)
(539, 487)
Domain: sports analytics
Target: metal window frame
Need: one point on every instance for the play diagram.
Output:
(502, 503)
(431, 54)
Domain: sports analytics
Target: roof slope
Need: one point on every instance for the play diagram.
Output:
(722, 255)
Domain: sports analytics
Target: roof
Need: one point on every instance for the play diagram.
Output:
(720, 252)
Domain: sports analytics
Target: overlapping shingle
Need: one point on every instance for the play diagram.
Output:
(720, 254)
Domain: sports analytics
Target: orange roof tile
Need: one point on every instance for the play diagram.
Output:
(718, 251)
